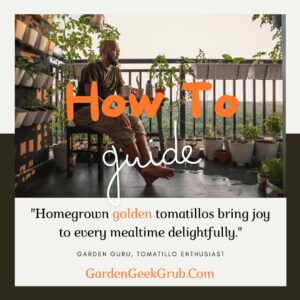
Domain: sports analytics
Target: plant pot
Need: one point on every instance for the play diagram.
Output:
(241, 152)
(266, 149)
(155, 151)
(194, 154)
(39, 80)
(170, 143)
(211, 146)
(50, 47)
(41, 43)
(48, 117)
(20, 115)
(258, 71)
(223, 157)
(160, 90)
(60, 156)
(20, 29)
(272, 190)
(19, 73)
(97, 21)
(223, 71)
(201, 70)
(27, 79)
(274, 72)
(48, 82)
(243, 71)
(30, 37)
(40, 117)
(262, 182)
(30, 117)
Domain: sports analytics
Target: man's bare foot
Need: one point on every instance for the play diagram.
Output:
(151, 173)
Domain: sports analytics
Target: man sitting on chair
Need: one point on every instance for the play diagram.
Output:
(127, 131)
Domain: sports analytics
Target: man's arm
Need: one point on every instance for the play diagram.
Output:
(122, 118)
(87, 88)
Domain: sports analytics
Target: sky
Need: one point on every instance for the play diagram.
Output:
(146, 36)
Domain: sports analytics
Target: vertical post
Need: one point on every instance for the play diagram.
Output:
(264, 105)
(182, 107)
(244, 103)
(284, 98)
(214, 103)
(204, 111)
(171, 112)
(254, 102)
(274, 95)
(224, 119)
(234, 116)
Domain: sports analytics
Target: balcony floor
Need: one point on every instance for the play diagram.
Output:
(208, 179)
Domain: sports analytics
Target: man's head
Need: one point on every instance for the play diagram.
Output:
(109, 50)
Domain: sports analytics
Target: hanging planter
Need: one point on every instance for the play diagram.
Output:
(40, 116)
(19, 29)
(39, 80)
(223, 71)
(30, 117)
(48, 117)
(19, 73)
(30, 37)
(201, 70)
(27, 79)
(48, 82)
(50, 47)
(274, 72)
(41, 43)
(243, 71)
(20, 115)
(97, 21)
(258, 71)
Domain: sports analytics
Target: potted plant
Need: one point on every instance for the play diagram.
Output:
(32, 111)
(242, 150)
(200, 67)
(211, 143)
(227, 69)
(186, 69)
(195, 149)
(268, 147)
(21, 66)
(161, 71)
(262, 175)
(258, 70)
(29, 74)
(274, 187)
(223, 156)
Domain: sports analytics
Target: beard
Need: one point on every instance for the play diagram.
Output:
(112, 60)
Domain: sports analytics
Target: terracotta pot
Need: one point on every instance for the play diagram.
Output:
(162, 90)
(223, 157)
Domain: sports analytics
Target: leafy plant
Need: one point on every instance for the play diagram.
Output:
(212, 132)
(229, 59)
(249, 132)
(58, 122)
(274, 170)
(273, 124)
(161, 71)
(276, 54)
(258, 57)
(200, 58)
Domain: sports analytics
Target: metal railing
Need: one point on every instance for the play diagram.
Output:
(257, 98)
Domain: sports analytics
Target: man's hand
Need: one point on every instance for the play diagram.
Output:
(124, 120)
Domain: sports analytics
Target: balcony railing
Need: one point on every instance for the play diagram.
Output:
(257, 98)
